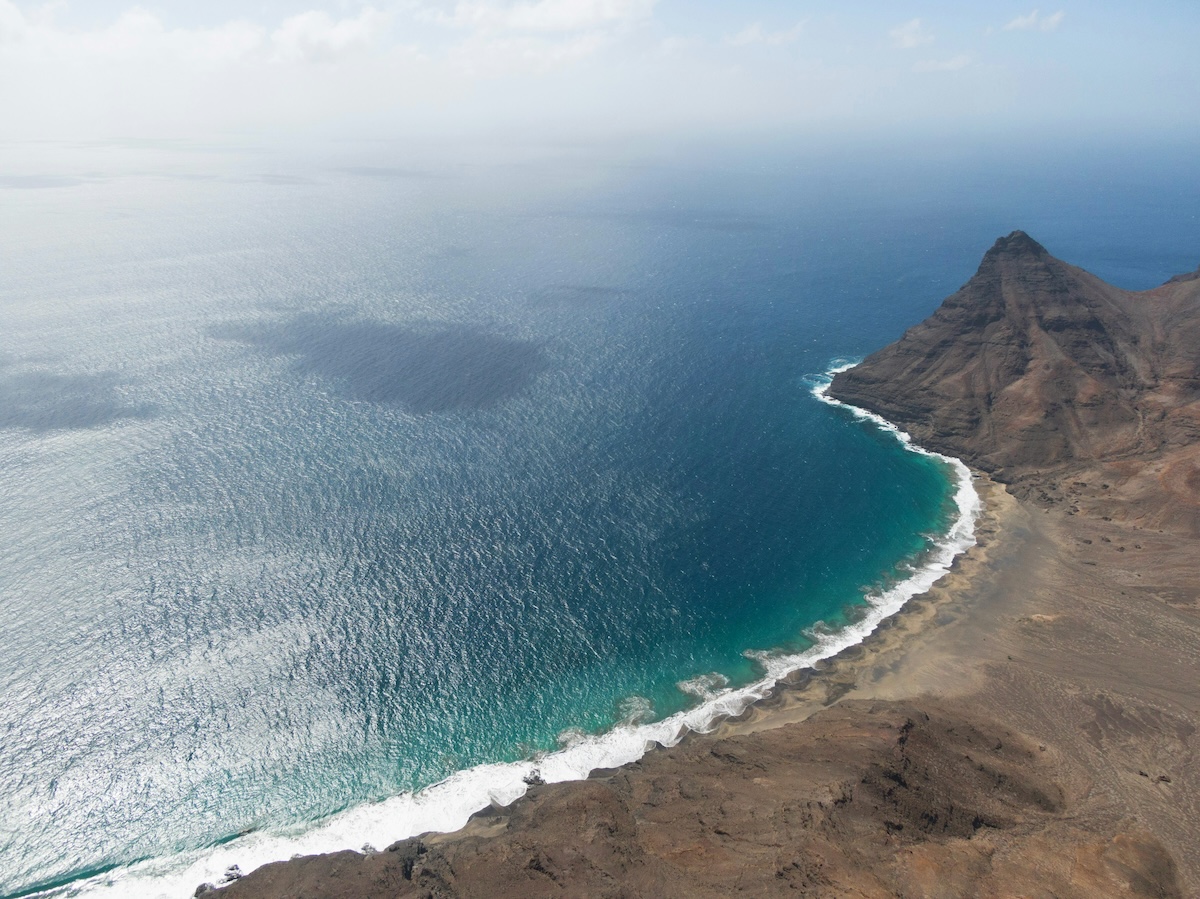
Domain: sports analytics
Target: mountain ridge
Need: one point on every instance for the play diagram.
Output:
(1036, 370)
(1029, 726)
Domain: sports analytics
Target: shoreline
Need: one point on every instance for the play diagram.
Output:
(1028, 726)
(449, 807)
(862, 670)
(1081, 633)
(1032, 639)
(983, 508)
(797, 695)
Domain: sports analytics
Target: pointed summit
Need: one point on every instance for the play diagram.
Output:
(1034, 368)
(1018, 243)
(1033, 363)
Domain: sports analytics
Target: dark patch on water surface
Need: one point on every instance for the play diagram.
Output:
(422, 370)
(43, 401)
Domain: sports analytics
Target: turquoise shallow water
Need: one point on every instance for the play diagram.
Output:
(320, 489)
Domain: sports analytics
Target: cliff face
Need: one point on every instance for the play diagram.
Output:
(1036, 370)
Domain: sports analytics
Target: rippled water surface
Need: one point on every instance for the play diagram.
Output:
(320, 485)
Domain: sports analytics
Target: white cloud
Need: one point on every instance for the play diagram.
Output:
(315, 36)
(601, 67)
(1034, 21)
(136, 74)
(45, 14)
(12, 23)
(953, 64)
(547, 15)
(135, 34)
(676, 43)
(754, 33)
(491, 56)
(531, 36)
(910, 35)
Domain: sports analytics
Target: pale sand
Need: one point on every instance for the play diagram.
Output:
(1027, 728)
(1082, 634)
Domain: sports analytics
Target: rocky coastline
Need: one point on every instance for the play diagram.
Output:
(1027, 727)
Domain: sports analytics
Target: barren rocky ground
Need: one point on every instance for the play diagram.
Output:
(1028, 728)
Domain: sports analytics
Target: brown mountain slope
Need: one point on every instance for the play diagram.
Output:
(872, 800)
(1037, 372)
(1030, 727)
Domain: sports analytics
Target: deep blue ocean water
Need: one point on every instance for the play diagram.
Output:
(324, 478)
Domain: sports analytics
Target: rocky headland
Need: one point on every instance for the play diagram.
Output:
(1027, 728)
(1045, 376)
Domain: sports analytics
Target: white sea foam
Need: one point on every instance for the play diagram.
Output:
(635, 710)
(706, 686)
(447, 805)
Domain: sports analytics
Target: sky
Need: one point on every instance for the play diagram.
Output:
(569, 69)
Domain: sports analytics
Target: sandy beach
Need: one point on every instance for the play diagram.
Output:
(1027, 727)
(1080, 633)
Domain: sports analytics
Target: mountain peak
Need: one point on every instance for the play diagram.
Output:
(1031, 364)
(1034, 368)
(1018, 243)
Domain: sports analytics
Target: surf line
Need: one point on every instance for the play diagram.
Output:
(446, 806)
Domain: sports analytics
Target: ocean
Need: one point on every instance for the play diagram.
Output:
(344, 492)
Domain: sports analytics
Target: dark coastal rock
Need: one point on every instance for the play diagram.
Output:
(866, 799)
(1035, 370)
(1074, 393)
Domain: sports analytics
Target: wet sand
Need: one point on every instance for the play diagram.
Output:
(1028, 727)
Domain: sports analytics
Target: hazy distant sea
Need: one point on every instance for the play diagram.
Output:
(328, 477)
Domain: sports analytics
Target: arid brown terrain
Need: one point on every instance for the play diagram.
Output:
(1027, 728)
(1046, 377)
